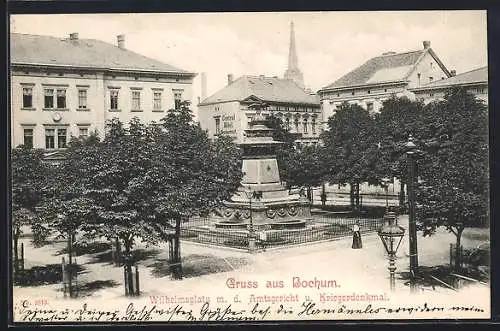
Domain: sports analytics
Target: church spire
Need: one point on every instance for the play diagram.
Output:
(293, 72)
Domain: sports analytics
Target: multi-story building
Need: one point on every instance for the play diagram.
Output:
(63, 87)
(370, 84)
(475, 82)
(227, 112)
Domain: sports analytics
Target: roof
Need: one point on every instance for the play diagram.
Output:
(387, 68)
(269, 89)
(88, 53)
(476, 76)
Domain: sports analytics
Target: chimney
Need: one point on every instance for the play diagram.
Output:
(426, 43)
(121, 41)
(73, 36)
(203, 85)
(229, 79)
(453, 73)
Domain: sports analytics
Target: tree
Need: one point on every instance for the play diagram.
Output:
(284, 152)
(305, 167)
(197, 174)
(454, 168)
(351, 152)
(148, 179)
(28, 188)
(65, 209)
(398, 118)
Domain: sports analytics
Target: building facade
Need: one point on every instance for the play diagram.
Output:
(381, 77)
(474, 81)
(227, 111)
(63, 87)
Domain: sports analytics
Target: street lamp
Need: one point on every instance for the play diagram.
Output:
(251, 233)
(391, 236)
(412, 225)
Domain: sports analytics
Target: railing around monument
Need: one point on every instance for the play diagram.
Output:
(319, 229)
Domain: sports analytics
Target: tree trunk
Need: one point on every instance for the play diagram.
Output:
(128, 266)
(176, 262)
(16, 254)
(323, 195)
(118, 252)
(402, 193)
(458, 252)
(357, 198)
(70, 264)
(351, 195)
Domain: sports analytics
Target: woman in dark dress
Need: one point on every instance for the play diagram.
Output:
(356, 237)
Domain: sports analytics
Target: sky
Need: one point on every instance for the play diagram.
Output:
(329, 44)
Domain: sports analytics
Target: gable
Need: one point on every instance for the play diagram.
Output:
(429, 69)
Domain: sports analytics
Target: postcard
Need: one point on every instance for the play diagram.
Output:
(249, 167)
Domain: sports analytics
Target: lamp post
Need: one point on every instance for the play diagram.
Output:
(412, 226)
(251, 233)
(391, 236)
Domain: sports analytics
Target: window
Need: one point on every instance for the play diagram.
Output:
(287, 123)
(156, 100)
(50, 138)
(480, 90)
(83, 131)
(113, 99)
(61, 138)
(369, 106)
(313, 126)
(136, 100)
(352, 93)
(296, 125)
(48, 98)
(369, 91)
(82, 99)
(28, 137)
(177, 99)
(431, 78)
(61, 99)
(305, 126)
(27, 97)
(217, 125)
(432, 65)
